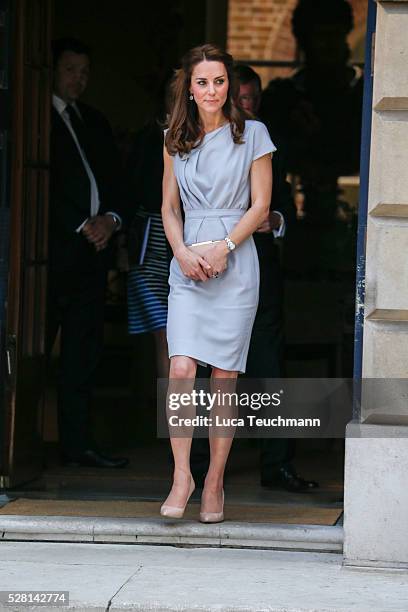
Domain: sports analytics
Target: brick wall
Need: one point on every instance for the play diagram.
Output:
(261, 29)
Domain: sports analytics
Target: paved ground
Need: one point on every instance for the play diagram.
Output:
(138, 577)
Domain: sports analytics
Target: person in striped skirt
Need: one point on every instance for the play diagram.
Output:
(149, 255)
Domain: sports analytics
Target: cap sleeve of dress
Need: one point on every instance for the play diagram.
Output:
(262, 143)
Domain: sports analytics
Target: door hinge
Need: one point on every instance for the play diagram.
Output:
(11, 356)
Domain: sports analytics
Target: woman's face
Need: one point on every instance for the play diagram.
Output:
(209, 86)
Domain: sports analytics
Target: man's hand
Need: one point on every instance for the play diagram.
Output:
(273, 222)
(98, 230)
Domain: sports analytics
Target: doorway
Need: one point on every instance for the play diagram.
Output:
(130, 47)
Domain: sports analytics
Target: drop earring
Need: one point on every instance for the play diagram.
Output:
(191, 97)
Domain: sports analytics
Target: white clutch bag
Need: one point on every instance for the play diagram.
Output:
(202, 247)
(196, 244)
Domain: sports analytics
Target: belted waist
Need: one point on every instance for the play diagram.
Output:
(201, 213)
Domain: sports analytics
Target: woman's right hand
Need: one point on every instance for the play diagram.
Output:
(192, 265)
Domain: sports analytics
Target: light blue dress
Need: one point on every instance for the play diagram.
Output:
(212, 321)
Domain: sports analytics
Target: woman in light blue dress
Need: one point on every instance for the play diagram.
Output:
(217, 164)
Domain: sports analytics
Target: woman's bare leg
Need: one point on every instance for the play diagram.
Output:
(211, 500)
(181, 380)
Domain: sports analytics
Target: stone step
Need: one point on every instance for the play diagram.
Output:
(172, 532)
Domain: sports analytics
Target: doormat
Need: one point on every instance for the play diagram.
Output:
(251, 513)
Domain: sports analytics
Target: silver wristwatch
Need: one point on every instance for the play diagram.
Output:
(231, 245)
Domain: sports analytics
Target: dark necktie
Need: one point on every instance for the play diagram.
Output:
(79, 128)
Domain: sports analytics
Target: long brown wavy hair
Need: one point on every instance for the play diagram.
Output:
(184, 129)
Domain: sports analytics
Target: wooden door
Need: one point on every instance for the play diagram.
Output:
(26, 305)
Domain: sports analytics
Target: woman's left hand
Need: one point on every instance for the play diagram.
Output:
(217, 258)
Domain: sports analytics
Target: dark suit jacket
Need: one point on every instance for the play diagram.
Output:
(70, 192)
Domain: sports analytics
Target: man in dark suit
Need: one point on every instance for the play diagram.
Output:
(266, 352)
(83, 217)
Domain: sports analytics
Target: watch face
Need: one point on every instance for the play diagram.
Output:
(232, 245)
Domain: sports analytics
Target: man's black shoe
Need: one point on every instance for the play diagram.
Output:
(287, 478)
(92, 458)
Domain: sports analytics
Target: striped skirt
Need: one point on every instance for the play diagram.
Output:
(148, 283)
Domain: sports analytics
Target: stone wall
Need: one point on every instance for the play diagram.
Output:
(376, 499)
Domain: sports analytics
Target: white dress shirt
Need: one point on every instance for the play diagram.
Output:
(280, 231)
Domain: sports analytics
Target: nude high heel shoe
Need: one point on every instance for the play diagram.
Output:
(175, 511)
(213, 517)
